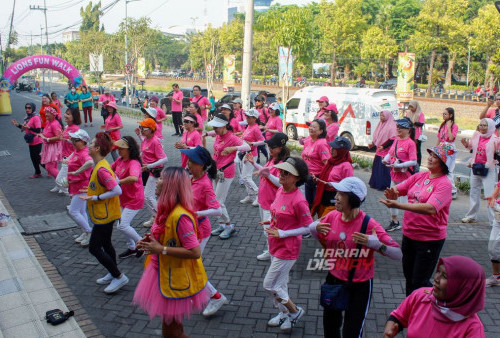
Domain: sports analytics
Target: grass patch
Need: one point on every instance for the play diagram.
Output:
(462, 186)
(362, 162)
(463, 122)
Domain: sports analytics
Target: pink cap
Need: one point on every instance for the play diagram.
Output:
(323, 99)
(111, 104)
(332, 107)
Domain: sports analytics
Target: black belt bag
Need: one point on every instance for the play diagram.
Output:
(479, 169)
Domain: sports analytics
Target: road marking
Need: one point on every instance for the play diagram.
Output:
(4, 153)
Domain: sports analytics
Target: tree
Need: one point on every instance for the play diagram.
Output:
(91, 17)
(400, 19)
(341, 25)
(206, 50)
(380, 46)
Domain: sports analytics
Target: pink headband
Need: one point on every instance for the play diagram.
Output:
(188, 118)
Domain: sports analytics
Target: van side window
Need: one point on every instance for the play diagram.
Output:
(293, 103)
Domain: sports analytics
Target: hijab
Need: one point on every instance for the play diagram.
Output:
(414, 116)
(491, 128)
(33, 111)
(465, 290)
(385, 130)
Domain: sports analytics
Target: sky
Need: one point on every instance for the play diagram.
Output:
(166, 15)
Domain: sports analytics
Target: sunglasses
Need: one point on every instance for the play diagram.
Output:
(144, 128)
(284, 173)
(75, 140)
(187, 121)
(27, 108)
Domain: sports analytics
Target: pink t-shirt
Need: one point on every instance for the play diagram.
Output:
(253, 134)
(239, 114)
(481, 150)
(341, 171)
(415, 313)
(492, 112)
(236, 125)
(104, 97)
(36, 123)
(421, 189)
(289, 211)
(160, 114)
(202, 101)
(443, 133)
(191, 139)
(81, 181)
(204, 199)
(106, 179)
(52, 129)
(273, 123)
(340, 240)
(418, 130)
(221, 142)
(263, 115)
(315, 153)
(113, 122)
(407, 151)
(132, 196)
(185, 232)
(151, 150)
(199, 119)
(67, 145)
(384, 151)
(267, 190)
(177, 95)
(331, 131)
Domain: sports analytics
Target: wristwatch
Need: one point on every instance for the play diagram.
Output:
(383, 249)
(164, 252)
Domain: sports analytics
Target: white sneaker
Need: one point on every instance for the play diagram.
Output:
(468, 220)
(228, 232)
(149, 223)
(80, 238)
(286, 326)
(86, 240)
(241, 182)
(105, 280)
(294, 317)
(255, 203)
(218, 230)
(265, 256)
(55, 189)
(64, 191)
(116, 284)
(492, 281)
(278, 320)
(454, 195)
(247, 200)
(214, 305)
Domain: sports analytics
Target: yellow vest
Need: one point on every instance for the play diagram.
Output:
(179, 277)
(105, 211)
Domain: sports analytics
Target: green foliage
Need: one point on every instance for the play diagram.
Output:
(91, 17)
(363, 162)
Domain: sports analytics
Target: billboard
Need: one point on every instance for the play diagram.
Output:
(406, 75)
(141, 67)
(228, 71)
(285, 65)
(96, 63)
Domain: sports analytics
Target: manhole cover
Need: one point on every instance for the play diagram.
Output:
(4, 153)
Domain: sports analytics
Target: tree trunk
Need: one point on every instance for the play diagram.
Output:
(487, 72)
(375, 76)
(429, 77)
(333, 72)
(451, 65)
(347, 70)
(386, 69)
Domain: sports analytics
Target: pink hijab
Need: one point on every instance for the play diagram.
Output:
(384, 130)
(465, 290)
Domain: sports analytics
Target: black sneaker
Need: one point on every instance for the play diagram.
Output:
(127, 254)
(139, 253)
(176, 134)
(393, 226)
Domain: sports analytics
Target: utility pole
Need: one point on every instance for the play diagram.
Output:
(127, 93)
(247, 56)
(44, 9)
(11, 23)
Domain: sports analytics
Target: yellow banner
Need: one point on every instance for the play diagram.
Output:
(141, 67)
(228, 71)
(406, 75)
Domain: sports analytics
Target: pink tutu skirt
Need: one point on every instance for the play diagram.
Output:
(51, 152)
(147, 296)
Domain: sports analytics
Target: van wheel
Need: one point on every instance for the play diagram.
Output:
(351, 139)
(291, 132)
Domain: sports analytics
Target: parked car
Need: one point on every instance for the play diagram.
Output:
(166, 104)
(389, 84)
(230, 97)
(158, 73)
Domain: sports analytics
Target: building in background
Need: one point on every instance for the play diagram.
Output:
(70, 36)
(238, 6)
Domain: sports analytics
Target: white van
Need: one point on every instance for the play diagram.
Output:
(359, 111)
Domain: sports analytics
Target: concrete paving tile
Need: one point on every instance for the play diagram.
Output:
(11, 285)
(22, 314)
(24, 330)
(13, 300)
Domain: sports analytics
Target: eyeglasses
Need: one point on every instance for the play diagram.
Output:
(187, 121)
(284, 173)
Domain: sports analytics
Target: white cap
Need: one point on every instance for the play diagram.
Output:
(351, 184)
(150, 111)
(80, 134)
(226, 106)
(217, 122)
(253, 113)
(274, 106)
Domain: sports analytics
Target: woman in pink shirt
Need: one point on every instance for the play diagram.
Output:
(203, 170)
(402, 159)
(225, 147)
(383, 138)
(417, 118)
(55, 100)
(190, 137)
(52, 149)
(448, 131)
(274, 124)
(79, 169)
(483, 144)
(112, 126)
(338, 167)
(316, 153)
(153, 158)
(351, 239)
(32, 126)
(269, 180)
(260, 106)
(233, 122)
(253, 137)
(332, 125)
(73, 121)
(160, 116)
(290, 218)
(238, 111)
(322, 102)
(425, 218)
(202, 101)
(128, 168)
(449, 308)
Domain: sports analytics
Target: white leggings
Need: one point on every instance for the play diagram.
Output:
(210, 287)
(149, 194)
(125, 227)
(276, 281)
(221, 190)
(247, 170)
(488, 183)
(78, 211)
(401, 199)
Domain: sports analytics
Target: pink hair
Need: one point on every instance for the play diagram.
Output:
(176, 190)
